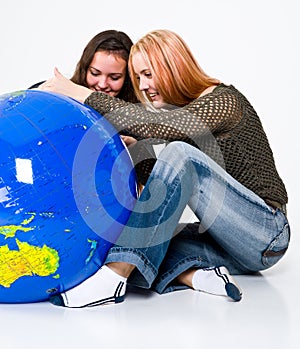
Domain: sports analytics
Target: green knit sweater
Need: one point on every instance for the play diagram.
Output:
(222, 123)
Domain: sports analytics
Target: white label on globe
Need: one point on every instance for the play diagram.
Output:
(4, 194)
(24, 170)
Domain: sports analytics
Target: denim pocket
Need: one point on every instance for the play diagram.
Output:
(277, 247)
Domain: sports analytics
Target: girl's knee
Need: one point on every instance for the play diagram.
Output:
(182, 152)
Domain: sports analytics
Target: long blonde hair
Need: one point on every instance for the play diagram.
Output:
(177, 75)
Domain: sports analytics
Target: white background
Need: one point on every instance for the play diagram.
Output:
(253, 45)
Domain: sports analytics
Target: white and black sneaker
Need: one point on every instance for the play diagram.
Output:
(103, 287)
(217, 281)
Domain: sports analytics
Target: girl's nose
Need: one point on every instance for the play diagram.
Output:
(144, 85)
(102, 82)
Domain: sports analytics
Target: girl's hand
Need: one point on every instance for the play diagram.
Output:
(128, 140)
(60, 84)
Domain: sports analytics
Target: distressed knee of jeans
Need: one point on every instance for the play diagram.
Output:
(277, 247)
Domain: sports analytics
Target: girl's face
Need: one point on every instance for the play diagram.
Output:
(106, 73)
(146, 81)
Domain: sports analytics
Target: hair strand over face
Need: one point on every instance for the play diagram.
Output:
(177, 75)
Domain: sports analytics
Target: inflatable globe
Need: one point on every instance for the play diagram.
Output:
(67, 187)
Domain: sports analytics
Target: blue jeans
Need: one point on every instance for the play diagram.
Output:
(236, 228)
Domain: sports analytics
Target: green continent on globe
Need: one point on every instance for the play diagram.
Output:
(28, 260)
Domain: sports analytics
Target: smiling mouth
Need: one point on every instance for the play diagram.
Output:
(100, 90)
(152, 95)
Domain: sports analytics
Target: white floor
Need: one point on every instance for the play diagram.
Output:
(267, 317)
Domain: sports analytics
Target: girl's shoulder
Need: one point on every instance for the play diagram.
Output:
(215, 88)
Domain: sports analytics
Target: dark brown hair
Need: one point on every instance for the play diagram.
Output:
(114, 42)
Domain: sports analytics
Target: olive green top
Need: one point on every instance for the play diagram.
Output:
(222, 123)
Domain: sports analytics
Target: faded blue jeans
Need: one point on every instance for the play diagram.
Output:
(236, 228)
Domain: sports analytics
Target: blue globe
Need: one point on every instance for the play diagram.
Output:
(67, 187)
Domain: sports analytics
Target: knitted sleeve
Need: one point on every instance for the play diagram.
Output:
(215, 113)
(238, 143)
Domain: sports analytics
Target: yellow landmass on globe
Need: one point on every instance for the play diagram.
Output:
(9, 231)
(28, 260)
